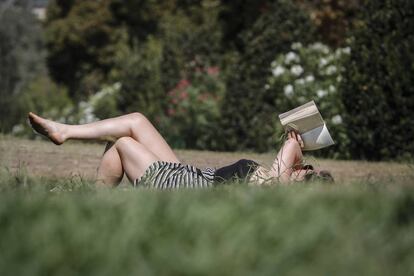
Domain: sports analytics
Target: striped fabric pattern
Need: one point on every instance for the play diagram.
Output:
(167, 175)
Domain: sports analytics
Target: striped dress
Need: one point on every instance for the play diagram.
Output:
(167, 175)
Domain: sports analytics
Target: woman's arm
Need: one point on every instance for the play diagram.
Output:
(288, 157)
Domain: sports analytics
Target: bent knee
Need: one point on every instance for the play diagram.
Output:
(123, 141)
(138, 119)
(137, 116)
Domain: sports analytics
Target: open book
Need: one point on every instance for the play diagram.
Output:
(308, 122)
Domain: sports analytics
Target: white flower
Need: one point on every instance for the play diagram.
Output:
(331, 70)
(83, 104)
(117, 85)
(338, 53)
(273, 64)
(267, 86)
(346, 50)
(321, 93)
(339, 78)
(278, 70)
(332, 88)
(300, 81)
(288, 90)
(323, 62)
(296, 46)
(337, 119)
(17, 129)
(320, 47)
(310, 78)
(291, 56)
(296, 70)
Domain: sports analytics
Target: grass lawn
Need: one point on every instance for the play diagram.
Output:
(54, 222)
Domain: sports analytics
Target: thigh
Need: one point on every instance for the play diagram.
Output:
(135, 157)
(145, 133)
(110, 171)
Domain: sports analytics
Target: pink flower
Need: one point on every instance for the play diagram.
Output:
(203, 97)
(183, 84)
(183, 95)
(213, 71)
(171, 112)
(171, 92)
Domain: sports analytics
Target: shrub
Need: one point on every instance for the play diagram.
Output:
(378, 87)
(246, 109)
(44, 97)
(101, 105)
(140, 76)
(332, 18)
(21, 58)
(191, 40)
(193, 110)
(313, 72)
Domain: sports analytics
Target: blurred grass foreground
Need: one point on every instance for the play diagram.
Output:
(69, 227)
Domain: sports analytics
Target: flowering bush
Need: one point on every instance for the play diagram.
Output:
(100, 105)
(193, 108)
(308, 73)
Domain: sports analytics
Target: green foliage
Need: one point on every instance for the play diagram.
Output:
(21, 59)
(193, 111)
(333, 19)
(67, 227)
(177, 50)
(191, 40)
(246, 110)
(378, 88)
(82, 39)
(237, 16)
(139, 16)
(140, 75)
(44, 97)
(101, 105)
(306, 73)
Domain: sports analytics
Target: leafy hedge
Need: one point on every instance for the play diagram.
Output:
(247, 108)
(311, 72)
(378, 88)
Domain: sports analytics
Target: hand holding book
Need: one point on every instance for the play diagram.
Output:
(307, 121)
(292, 134)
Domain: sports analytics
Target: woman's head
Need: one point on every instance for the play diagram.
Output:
(319, 176)
(307, 173)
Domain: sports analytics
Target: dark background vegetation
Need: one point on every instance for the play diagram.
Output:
(200, 69)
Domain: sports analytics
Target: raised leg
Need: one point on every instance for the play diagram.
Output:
(125, 155)
(134, 125)
(110, 170)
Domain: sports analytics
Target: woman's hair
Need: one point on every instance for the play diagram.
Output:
(321, 176)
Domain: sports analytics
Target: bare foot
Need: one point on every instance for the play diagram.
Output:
(50, 129)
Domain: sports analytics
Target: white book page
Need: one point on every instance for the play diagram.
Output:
(317, 138)
(307, 123)
(302, 118)
(300, 111)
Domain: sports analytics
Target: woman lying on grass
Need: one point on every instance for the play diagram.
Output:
(147, 160)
